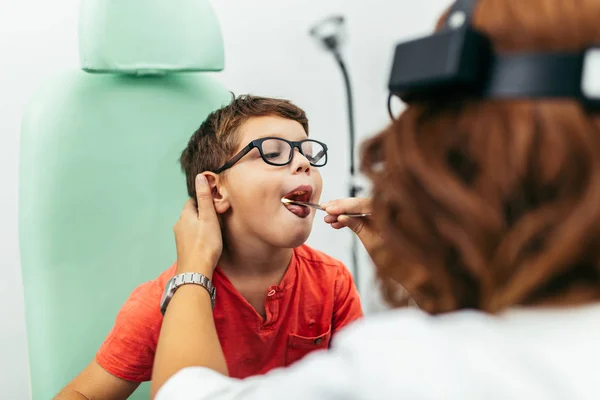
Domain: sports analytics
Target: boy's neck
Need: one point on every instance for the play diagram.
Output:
(247, 258)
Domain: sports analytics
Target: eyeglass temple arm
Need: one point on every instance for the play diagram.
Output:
(319, 154)
(235, 158)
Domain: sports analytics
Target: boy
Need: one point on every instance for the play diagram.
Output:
(276, 298)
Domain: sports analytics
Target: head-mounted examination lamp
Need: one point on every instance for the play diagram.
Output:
(459, 62)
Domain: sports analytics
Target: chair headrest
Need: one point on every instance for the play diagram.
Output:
(149, 36)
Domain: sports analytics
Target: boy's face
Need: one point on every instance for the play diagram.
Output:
(252, 189)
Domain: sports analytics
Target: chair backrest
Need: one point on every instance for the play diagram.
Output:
(100, 184)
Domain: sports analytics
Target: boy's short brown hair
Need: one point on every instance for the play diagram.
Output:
(216, 140)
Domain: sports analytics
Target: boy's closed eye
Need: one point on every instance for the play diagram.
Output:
(272, 155)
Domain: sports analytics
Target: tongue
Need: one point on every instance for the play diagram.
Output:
(299, 211)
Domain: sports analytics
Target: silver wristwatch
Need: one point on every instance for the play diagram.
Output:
(184, 279)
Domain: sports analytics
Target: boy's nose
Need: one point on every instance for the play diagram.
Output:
(300, 163)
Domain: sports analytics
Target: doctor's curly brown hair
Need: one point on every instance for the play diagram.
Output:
(494, 204)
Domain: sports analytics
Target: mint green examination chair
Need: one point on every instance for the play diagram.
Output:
(100, 183)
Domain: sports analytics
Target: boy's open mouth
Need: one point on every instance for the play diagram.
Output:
(301, 193)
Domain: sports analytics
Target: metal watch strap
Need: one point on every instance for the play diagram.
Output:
(189, 278)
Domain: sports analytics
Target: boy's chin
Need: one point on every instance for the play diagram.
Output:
(292, 238)
(298, 241)
(291, 231)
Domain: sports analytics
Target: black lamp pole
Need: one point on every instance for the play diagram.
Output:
(350, 111)
(330, 33)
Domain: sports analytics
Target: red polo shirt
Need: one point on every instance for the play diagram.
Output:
(315, 298)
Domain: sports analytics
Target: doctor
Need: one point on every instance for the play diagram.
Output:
(486, 209)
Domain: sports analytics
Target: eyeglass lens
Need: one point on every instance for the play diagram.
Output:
(279, 152)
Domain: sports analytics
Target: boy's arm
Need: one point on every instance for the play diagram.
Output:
(95, 383)
(347, 307)
(125, 358)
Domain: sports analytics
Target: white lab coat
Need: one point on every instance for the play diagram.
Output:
(406, 354)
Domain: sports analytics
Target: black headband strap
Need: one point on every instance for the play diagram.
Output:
(535, 75)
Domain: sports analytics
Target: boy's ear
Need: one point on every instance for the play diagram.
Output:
(219, 192)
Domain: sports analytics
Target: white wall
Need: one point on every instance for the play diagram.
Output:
(268, 52)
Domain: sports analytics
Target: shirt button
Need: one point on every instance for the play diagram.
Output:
(271, 292)
(318, 341)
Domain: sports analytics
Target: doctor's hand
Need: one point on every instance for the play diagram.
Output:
(198, 233)
(369, 237)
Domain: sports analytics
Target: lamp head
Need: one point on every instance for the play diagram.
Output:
(330, 32)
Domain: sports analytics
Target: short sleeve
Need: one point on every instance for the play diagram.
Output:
(347, 306)
(128, 350)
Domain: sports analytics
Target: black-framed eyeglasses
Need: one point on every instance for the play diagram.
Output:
(278, 151)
